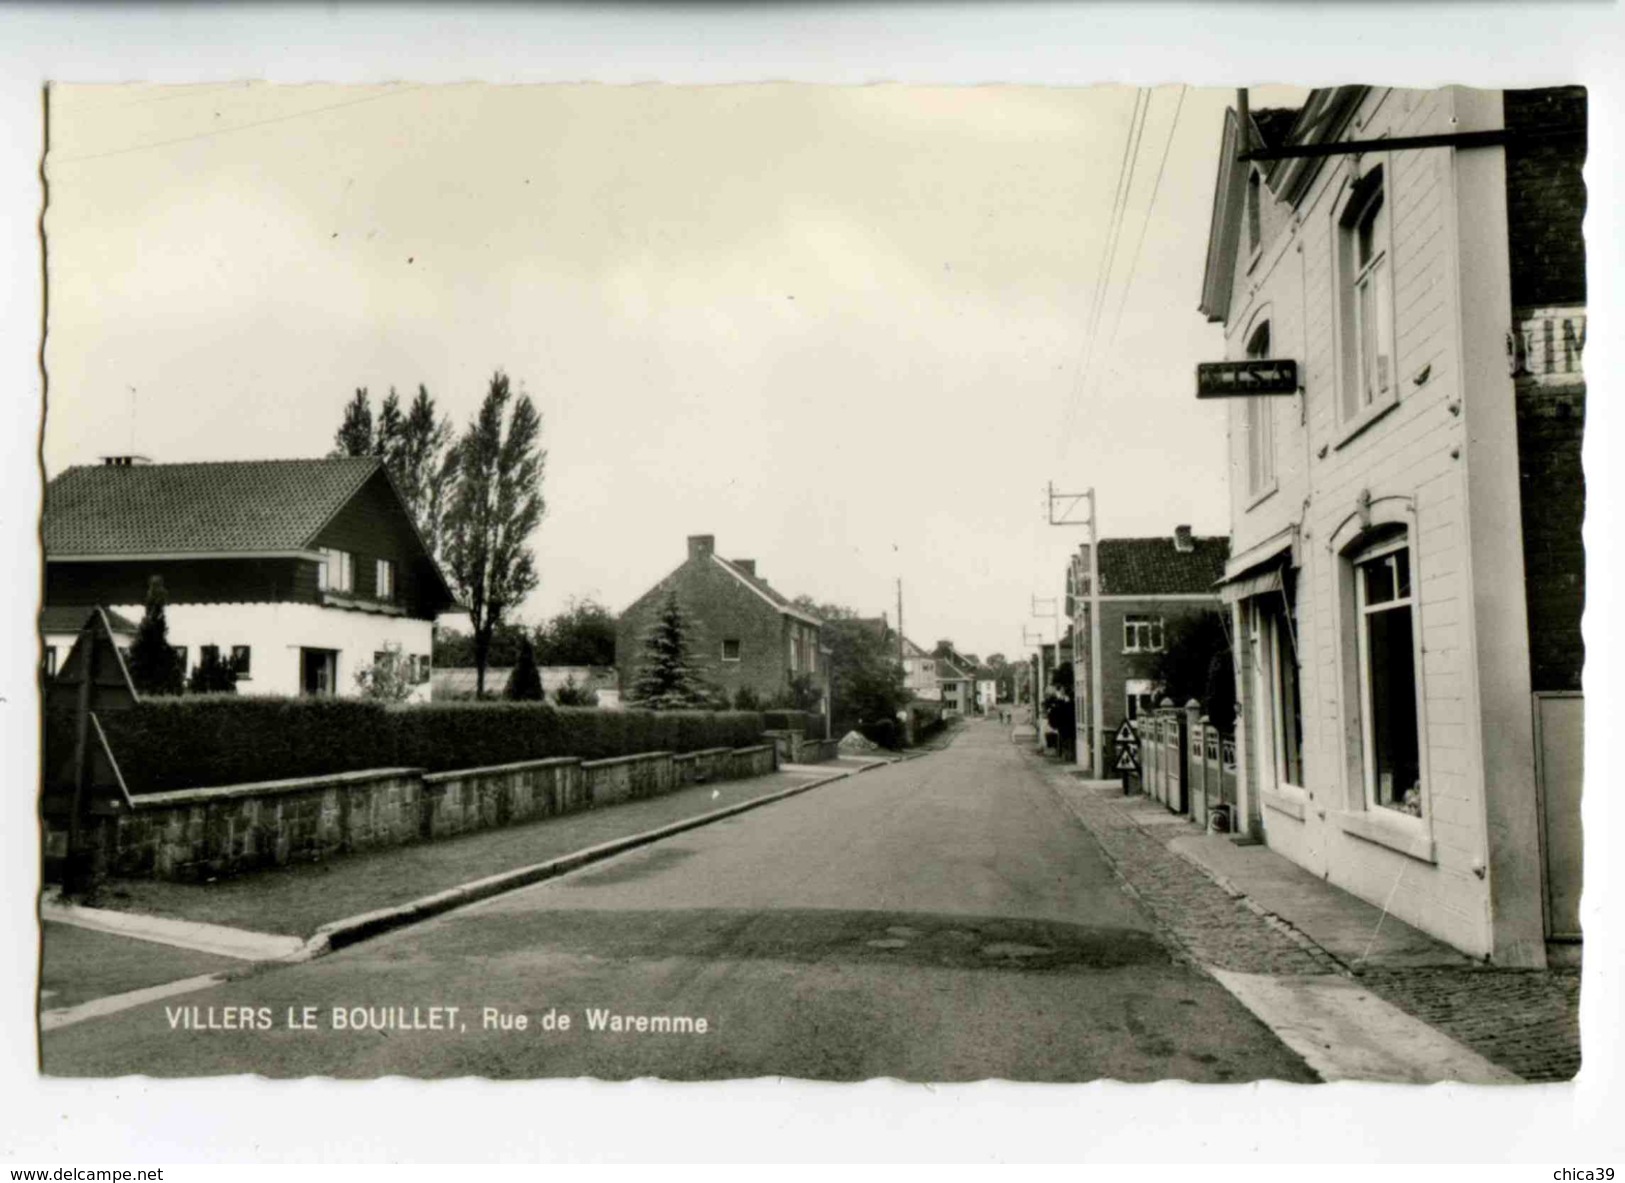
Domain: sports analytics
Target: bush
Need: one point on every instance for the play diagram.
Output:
(802, 721)
(180, 743)
(184, 743)
(887, 733)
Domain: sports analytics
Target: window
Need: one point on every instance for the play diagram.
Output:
(1366, 316)
(1138, 699)
(730, 650)
(1260, 425)
(1142, 634)
(209, 655)
(241, 660)
(337, 570)
(1255, 228)
(384, 579)
(50, 661)
(1278, 662)
(420, 668)
(1387, 665)
(180, 658)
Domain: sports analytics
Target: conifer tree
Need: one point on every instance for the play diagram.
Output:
(525, 683)
(155, 666)
(667, 678)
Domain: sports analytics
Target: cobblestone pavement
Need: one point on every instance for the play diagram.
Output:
(1526, 1021)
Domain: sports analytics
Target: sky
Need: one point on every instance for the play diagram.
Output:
(852, 332)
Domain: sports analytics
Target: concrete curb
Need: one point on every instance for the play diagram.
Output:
(237, 943)
(342, 933)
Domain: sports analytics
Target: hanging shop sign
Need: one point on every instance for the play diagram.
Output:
(1243, 379)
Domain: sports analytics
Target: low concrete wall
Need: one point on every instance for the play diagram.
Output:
(502, 794)
(816, 751)
(629, 778)
(196, 834)
(698, 768)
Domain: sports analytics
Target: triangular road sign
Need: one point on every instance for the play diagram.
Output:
(1125, 733)
(1127, 761)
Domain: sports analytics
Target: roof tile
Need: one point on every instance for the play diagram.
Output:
(228, 507)
(1154, 566)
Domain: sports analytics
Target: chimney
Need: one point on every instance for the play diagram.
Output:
(701, 546)
(1183, 542)
(748, 566)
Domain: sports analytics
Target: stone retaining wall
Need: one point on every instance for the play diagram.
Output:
(196, 834)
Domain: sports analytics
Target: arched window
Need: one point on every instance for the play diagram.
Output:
(1366, 302)
(1260, 424)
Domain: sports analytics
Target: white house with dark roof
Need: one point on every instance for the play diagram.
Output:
(300, 573)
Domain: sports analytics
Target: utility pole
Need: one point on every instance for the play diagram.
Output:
(1066, 516)
(1035, 691)
(901, 656)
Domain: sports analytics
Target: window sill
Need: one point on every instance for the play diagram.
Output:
(1349, 432)
(1289, 803)
(354, 603)
(1254, 500)
(1408, 836)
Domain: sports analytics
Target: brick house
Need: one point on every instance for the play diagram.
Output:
(1148, 587)
(297, 572)
(1407, 574)
(746, 633)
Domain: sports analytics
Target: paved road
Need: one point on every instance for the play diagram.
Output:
(942, 919)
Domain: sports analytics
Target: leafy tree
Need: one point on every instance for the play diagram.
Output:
(1059, 707)
(494, 509)
(454, 649)
(420, 459)
(571, 695)
(354, 436)
(155, 666)
(388, 678)
(212, 676)
(746, 699)
(801, 693)
(1195, 662)
(414, 444)
(866, 681)
(583, 634)
(668, 678)
(525, 683)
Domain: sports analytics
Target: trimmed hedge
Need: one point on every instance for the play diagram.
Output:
(806, 722)
(201, 741)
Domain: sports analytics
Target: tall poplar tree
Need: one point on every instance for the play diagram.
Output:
(493, 510)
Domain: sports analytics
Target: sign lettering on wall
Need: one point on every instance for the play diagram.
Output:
(1243, 379)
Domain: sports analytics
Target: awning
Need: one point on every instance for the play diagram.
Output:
(1251, 583)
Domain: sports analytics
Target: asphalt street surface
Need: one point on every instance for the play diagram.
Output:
(941, 919)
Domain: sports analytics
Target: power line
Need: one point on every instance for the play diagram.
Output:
(220, 131)
(1156, 186)
(1119, 196)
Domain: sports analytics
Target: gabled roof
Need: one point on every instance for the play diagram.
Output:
(1322, 118)
(1155, 566)
(241, 507)
(56, 619)
(769, 593)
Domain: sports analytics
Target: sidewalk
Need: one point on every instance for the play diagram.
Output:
(299, 899)
(1249, 914)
